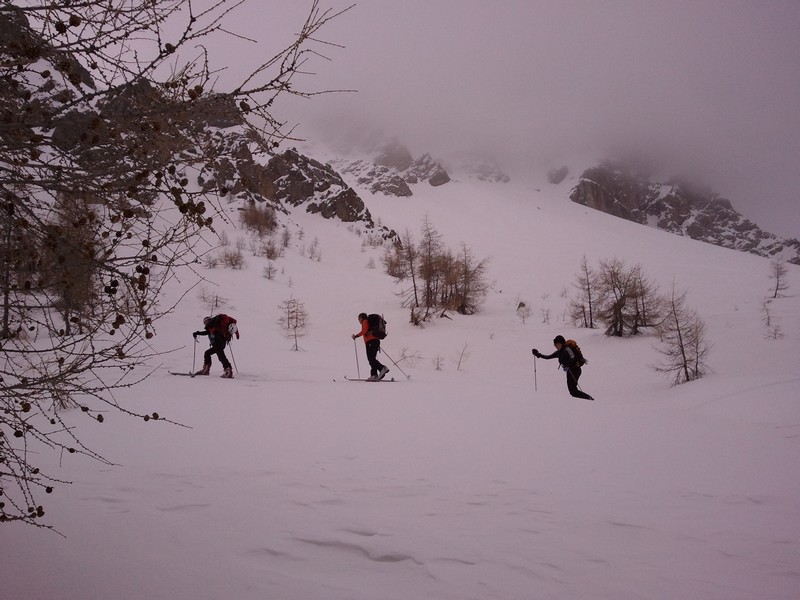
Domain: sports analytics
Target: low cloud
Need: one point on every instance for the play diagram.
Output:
(705, 90)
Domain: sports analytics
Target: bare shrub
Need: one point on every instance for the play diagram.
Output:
(271, 250)
(259, 218)
(233, 258)
(270, 270)
(524, 311)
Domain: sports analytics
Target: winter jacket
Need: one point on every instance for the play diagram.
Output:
(365, 332)
(567, 357)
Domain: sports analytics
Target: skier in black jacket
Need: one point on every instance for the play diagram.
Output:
(568, 359)
(220, 329)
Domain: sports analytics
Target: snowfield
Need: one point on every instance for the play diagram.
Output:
(484, 482)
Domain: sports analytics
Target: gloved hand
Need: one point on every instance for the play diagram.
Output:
(535, 352)
(237, 334)
(194, 335)
(354, 336)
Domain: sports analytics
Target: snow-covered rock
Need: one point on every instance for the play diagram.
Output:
(679, 208)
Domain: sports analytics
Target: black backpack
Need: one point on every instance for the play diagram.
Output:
(376, 325)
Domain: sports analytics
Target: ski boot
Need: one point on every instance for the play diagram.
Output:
(204, 370)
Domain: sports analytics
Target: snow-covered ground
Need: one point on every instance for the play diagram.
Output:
(487, 481)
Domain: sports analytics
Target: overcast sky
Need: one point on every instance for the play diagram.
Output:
(709, 89)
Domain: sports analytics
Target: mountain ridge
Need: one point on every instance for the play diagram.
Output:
(677, 207)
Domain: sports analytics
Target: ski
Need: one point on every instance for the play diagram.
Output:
(390, 380)
(184, 374)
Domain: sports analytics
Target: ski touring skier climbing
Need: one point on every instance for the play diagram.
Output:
(220, 329)
(571, 359)
(372, 340)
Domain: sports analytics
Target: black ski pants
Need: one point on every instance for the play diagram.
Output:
(373, 347)
(573, 374)
(217, 347)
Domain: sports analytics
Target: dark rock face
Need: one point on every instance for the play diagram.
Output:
(391, 181)
(217, 110)
(299, 180)
(394, 168)
(237, 172)
(378, 178)
(346, 206)
(426, 169)
(679, 208)
(439, 178)
(614, 192)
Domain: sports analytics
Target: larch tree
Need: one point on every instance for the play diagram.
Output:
(684, 346)
(778, 272)
(293, 320)
(582, 309)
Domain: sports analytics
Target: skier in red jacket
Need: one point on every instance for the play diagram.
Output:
(373, 345)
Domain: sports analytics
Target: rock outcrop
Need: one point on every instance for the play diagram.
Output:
(298, 180)
(378, 179)
(425, 168)
(393, 170)
(679, 208)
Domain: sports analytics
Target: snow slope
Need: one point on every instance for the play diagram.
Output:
(482, 482)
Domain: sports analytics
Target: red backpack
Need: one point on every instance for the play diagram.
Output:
(223, 325)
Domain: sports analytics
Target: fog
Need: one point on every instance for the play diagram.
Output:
(707, 90)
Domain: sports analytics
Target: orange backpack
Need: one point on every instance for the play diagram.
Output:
(580, 359)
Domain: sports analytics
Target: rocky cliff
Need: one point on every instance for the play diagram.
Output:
(392, 169)
(679, 208)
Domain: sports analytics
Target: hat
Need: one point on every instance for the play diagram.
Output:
(559, 339)
(206, 320)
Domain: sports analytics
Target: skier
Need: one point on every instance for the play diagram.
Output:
(569, 360)
(373, 346)
(219, 329)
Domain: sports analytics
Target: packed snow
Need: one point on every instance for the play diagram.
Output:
(481, 479)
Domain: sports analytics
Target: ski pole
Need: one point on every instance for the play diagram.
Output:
(355, 349)
(395, 364)
(233, 358)
(194, 354)
(535, 383)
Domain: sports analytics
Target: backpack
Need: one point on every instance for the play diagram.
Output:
(580, 360)
(376, 325)
(223, 325)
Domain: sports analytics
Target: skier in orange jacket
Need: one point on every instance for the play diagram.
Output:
(373, 345)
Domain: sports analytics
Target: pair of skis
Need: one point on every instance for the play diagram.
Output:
(189, 374)
(389, 380)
